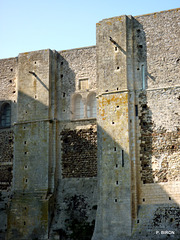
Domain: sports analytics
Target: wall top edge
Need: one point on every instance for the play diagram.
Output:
(160, 12)
(46, 50)
(76, 49)
(130, 16)
(8, 59)
(94, 46)
(32, 52)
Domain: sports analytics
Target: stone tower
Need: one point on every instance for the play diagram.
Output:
(116, 128)
(35, 144)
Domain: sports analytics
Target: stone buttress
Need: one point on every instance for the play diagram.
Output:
(35, 144)
(116, 132)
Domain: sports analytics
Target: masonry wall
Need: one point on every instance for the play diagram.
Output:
(114, 48)
(8, 94)
(79, 152)
(8, 78)
(159, 104)
(34, 141)
(138, 94)
(75, 65)
(159, 120)
(76, 200)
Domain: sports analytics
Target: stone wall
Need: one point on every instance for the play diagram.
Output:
(75, 209)
(6, 143)
(8, 69)
(157, 222)
(79, 153)
(159, 105)
(162, 47)
(8, 93)
(160, 133)
(75, 65)
(141, 54)
(159, 120)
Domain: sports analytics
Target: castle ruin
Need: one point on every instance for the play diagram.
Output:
(90, 137)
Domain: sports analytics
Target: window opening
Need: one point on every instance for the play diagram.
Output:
(122, 158)
(5, 118)
(83, 84)
(78, 107)
(143, 77)
(136, 110)
(91, 106)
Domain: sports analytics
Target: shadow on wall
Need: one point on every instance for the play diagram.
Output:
(66, 86)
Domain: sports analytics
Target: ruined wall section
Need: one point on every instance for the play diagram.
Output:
(8, 94)
(158, 121)
(160, 136)
(76, 201)
(8, 78)
(159, 104)
(79, 152)
(6, 159)
(77, 146)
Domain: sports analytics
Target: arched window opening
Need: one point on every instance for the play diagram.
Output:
(91, 106)
(78, 107)
(5, 118)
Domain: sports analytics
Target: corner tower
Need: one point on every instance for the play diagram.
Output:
(116, 133)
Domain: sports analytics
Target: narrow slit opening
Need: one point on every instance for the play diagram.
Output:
(122, 158)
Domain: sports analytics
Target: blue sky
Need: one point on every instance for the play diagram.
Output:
(62, 24)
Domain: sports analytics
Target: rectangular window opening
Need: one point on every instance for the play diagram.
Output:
(143, 77)
(122, 158)
(136, 110)
(83, 84)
